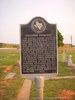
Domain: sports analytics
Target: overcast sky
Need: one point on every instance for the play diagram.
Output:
(16, 12)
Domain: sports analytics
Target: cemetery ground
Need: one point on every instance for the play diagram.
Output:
(54, 88)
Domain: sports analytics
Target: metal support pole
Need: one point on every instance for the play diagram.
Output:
(39, 82)
(71, 41)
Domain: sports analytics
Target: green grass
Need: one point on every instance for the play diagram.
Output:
(52, 87)
(9, 61)
(9, 58)
(62, 67)
(13, 57)
(11, 90)
(4, 54)
(13, 85)
(56, 85)
(1, 73)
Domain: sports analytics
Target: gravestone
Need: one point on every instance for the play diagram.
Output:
(63, 57)
(10, 76)
(70, 60)
(38, 47)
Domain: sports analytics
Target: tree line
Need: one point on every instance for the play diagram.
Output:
(5, 45)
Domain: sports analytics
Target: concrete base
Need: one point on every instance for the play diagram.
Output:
(10, 76)
(32, 76)
(25, 90)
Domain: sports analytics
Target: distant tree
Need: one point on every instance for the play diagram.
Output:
(0, 45)
(15, 46)
(60, 39)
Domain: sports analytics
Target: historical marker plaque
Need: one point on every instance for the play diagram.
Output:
(38, 47)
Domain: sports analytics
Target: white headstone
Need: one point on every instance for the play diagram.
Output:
(70, 60)
(63, 57)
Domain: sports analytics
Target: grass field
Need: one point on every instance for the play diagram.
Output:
(52, 87)
(63, 69)
(9, 88)
(9, 58)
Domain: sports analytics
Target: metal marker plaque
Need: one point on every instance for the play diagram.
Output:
(38, 47)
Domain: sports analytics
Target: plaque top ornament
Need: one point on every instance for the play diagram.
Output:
(38, 25)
